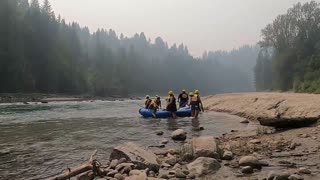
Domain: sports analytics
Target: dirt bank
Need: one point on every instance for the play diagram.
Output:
(274, 109)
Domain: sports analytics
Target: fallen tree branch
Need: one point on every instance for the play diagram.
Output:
(92, 164)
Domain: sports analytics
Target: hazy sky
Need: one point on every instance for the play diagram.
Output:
(200, 24)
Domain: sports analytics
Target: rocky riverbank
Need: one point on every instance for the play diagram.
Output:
(283, 110)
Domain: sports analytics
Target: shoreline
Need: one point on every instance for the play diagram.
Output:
(46, 98)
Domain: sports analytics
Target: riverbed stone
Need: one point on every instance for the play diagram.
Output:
(123, 165)
(179, 135)
(247, 170)
(114, 163)
(251, 161)
(295, 177)
(119, 176)
(180, 174)
(164, 141)
(203, 166)
(245, 121)
(170, 159)
(205, 146)
(112, 173)
(255, 141)
(303, 170)
(134, 172)
(227, 155)
(273, 175)
(159, 133)
(137, 155)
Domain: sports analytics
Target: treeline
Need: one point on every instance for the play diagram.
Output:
(290, 51)
(40, 52)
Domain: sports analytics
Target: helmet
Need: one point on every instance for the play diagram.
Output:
(183, 90)
(147, 96)
(191, 94)
(170, 92)
(196, 91)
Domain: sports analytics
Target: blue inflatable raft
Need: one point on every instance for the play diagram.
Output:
(182, 112)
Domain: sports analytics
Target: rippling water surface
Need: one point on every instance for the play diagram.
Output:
(39, 140)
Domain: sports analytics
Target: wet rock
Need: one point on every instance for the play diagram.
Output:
(245, 121)
(201, 128)
(251, 161)
(205, 146)
(292, 145)
(179, 135)
(140, 157)
(119, 176)
(295, 177)
(304, 171)
(255, 141)
(134, 172)
(203, 165)
(180, 174)
(164, 141)
(272, 175)
(159, 133)
(247, 170)
(114, 163)
(122, 160)
(287, 163)
(227, 155)
(126, 170)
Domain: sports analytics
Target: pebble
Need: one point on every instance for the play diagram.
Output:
(201, 128)
(176, 166)
(112, 173)
(152, 174)
(227, 155)
(114, 163)
(119, 176)
(163, 176)
(244, 121)
(191, 176)
(180, 174)
(164, 141)
(255, 141)
(304, 135)
(159, 133)
(272, 175)
(247, 170)
(134, 172)
(165, 165)
(292, 145)
(304, 171)
(295, 177)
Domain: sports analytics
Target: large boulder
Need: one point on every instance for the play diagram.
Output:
(179, 135)
(140, 157)
(205, 146)
(203, 166)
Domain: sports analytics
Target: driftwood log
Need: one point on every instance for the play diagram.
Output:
(91, 165)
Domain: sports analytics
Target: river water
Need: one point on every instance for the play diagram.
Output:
(39, 140)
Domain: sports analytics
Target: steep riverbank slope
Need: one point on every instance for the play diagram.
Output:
(274, 109)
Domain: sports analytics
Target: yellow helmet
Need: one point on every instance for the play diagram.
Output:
(170, 92)
(191, 94)
(196, 91)
(183, 90)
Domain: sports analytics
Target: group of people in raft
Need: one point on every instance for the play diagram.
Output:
(184, 99)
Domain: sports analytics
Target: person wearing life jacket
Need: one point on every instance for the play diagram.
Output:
(158, 101)
(183, 98)
(171, 106)
(147, 102)
(196, 104)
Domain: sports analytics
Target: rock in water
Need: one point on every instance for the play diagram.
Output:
(203, 166)
(179, 135)
(251, 161)
(140, 157)
(205, 146)
(227, 155)
(247, 170)
(295, 177)
(244, 121)
(304, 171)
(159, 133)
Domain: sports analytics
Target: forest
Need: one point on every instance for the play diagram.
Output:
(289, 58)
(40, 52)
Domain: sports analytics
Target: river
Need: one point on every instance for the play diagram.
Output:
(39, 140)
